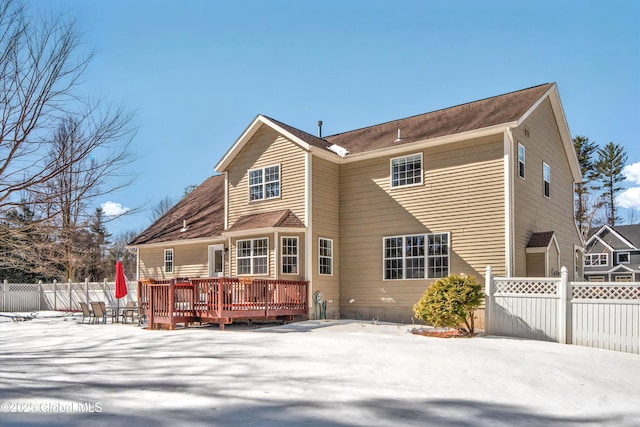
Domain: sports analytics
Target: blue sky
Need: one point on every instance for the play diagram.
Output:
(196, 73)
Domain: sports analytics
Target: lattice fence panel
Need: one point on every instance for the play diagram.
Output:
(616, 292)
(538, 287)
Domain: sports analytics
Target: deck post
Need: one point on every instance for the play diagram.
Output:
(171, 303)
(150, 289)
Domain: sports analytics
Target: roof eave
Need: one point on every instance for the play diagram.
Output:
(427, 143)
(266, 230)
(192, 241)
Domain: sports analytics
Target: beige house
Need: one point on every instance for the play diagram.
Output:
(371, 217)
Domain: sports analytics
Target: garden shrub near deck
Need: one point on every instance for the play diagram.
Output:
(450, 302)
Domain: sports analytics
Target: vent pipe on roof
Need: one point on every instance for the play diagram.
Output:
(184, 226)
(319, 128)
(399, 138)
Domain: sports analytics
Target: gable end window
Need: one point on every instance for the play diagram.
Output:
(252, 256)
(406, 171)
(289, 255)
(421, 256)
(546, 177)
(264, 183)
(168, 260)
(521, 160)
(325, 257)
(595, 260)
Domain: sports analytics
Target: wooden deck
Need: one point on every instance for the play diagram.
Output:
(220, 300)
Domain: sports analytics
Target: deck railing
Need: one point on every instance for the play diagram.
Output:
(220, 300)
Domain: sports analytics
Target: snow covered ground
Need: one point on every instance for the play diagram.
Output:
(55, 371)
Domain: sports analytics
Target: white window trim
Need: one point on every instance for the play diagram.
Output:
(415, 184)
(426, 256)
(251, 257)
(545, 166)
(173, 260)
(591, 256)
(320, 257)
(524, 160)
(283, 255)
(628, 254)
(264, 183)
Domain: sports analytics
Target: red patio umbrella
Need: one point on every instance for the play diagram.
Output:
(121, 284)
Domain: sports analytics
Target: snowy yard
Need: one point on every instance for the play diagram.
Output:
(55, 371)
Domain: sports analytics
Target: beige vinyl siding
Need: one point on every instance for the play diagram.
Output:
(325, 204)
(533, 212)
(463, 193)
(267, 148)
(536, 265)
(190, 260)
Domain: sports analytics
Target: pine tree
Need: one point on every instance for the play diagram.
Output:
(587, 203)
(611, 160)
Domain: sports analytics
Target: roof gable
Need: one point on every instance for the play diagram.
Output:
(620, 237)
(200, 214)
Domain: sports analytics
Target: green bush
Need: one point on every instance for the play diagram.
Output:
(450, 302)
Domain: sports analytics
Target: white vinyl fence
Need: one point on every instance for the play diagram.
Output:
(601, 315)
(16, 297)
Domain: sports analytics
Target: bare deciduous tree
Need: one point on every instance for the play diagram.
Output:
(59, 150)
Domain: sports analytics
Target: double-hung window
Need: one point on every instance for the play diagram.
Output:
(417, 256)
(168, 260)
(546, 177)
(406, 170)
(521, 160)
(264, 183)
(252, 256)
(289, 255)
(325, 256)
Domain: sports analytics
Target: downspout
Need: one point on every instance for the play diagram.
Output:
(308, 240)
(508, 205)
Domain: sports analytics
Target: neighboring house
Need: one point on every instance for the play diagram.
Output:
(371, 217)
(613, 254)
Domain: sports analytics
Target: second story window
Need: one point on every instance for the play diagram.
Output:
(546, 176)
(264, 183)
(594, 260)
(406, 171)
(521, 159)
(623, 257)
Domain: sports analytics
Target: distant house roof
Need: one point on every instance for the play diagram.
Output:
(630, 232)
(281, 218)
(618, 237)
(202, 209)
(540, 240)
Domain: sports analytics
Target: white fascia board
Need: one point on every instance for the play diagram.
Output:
(563, 128)
(263, 231)
(213, 240)
(246, 136)
(622, 239)
(427, 143)
(621, 267)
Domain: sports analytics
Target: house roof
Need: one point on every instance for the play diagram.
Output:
(282, 218)
(619, 237)
(484, 113)
(630, 232)
(202, 209)
(540, 240)
(492, 115)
